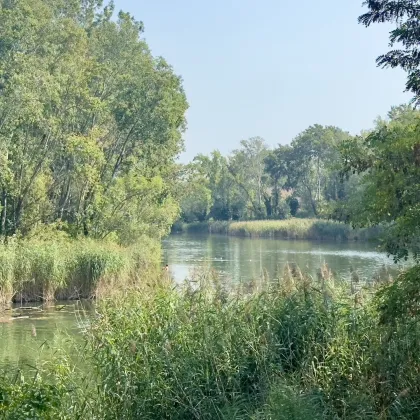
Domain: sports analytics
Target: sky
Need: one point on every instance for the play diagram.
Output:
(270, 68)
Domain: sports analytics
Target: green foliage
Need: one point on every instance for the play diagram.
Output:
(294, 349)
(282, 351)
(196, 203)
(255, 182)
(36, 269)
(298, 229)
(45, 394)
(388, 162)
(30, 400)
(404, 14)
(211, 226)
(294, 206)
(247, 166)
(193, 353)
(286, 403)
(90, 122)
(399, 302)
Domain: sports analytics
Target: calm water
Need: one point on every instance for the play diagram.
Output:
(244, 259)
(33, 337)
(30, 334)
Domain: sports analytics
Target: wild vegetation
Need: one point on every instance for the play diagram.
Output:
(256, 182)
(309, 229)
(265, 350)
(90, 126)
(90, 122)
(48, 269)
(301, 229)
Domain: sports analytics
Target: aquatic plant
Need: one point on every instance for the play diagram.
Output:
(316, 229)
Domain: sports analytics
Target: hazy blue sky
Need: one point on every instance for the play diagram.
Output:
(270, 68)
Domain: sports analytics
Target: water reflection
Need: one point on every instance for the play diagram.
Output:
(244, 259)
(31, 334)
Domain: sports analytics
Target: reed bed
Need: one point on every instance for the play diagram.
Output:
(210, 226)
(311, 229)
(294, 349)
(41, 270)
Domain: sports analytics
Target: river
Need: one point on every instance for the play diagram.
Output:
(33, 335)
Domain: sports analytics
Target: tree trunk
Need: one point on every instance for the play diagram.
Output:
(3, 213)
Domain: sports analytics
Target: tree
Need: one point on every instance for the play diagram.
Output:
(405, 14)
(388, 161)
(195, 191)
(90, 121)
(247, 166)
(277, 166)
(313, 169)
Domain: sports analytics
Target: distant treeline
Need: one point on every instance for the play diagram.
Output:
(325, 173)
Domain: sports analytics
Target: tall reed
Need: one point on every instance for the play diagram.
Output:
(32, 270)
(295, 348)
(315, 229)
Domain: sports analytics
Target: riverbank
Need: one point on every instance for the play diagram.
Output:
(66, 269)
(295, 349)
(310, 229)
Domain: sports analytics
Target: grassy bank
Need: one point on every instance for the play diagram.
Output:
(311, 229)
(35, 269)
(296, 349)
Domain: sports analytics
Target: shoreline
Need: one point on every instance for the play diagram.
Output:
(289, 229)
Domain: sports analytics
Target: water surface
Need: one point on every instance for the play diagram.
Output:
(32, 333)
(244, 259)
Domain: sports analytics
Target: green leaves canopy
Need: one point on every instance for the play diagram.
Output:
(90, 121)
(388, 160)
(405, 14)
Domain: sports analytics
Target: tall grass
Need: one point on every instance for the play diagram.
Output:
(279, 350)
(292, 349)
(35, 269)
(313, 229)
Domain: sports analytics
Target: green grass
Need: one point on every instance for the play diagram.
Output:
(32, 270)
